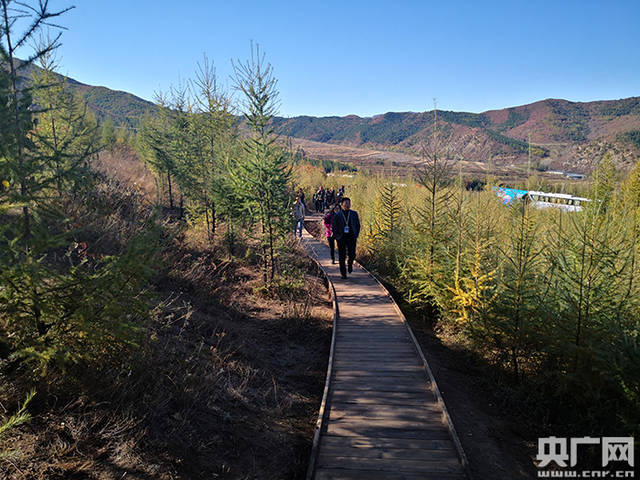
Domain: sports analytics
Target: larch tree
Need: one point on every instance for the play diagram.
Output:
(263, 178)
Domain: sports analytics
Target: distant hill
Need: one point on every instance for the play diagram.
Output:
(564, 135)
(122, 107)
(125, 109)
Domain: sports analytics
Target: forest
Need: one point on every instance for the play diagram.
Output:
(148, 278)
(157, 315)
(549, 298)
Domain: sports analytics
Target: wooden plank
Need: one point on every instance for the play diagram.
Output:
(331, 441)
(436, 465)
(358, 319)
(390, 398)
(416, 423)
(382, 410)
(363, 346)
(359, 388)
(389, 370)
(380, 364)
(382, 371)
(373, 336)
(343, 474)
(328, 455)
(344, 353)
(366, 340)
(422, 422)
(378, 346)
(403, 372)
(378, 372)
(360, 430)
(375, 359)
(374, 353)
(373, 327)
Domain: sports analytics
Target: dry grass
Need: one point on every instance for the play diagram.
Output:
(123, 163)
(226, 385)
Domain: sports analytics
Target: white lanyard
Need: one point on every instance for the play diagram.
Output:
(346, 221)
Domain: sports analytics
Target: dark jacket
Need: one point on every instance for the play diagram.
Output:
(339, 221)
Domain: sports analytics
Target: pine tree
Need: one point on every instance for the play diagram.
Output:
(588, 260)
(263, 179)
(214, 127)
(155, 144)
(57, 306)
(18, 146)
(426, 271)
(604, 181)
(434, 175)
(385, 235)
(474, 289)
(65, 135)
(108, 133)
(514, 318)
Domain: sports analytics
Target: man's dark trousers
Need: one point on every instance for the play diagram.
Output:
(346, 245)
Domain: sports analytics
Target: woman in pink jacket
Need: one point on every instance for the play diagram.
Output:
(328, 222)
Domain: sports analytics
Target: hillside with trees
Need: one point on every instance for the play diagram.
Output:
(556, 133)
(157, 320)
(122, 108)
(553, 133)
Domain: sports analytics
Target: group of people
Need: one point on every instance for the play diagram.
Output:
(324, 198)
(342, 225)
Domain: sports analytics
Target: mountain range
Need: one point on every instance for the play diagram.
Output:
(549, 134)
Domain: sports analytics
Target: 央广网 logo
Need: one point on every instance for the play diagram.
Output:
(563, 452)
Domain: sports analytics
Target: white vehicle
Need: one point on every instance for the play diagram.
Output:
(562, 201)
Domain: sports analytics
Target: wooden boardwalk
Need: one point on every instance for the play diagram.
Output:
(382, 416)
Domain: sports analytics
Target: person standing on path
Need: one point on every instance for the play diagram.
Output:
(346, 228)
(318, 200)
(328, 230)
(301, 195)
(331, 196)
(298, 213)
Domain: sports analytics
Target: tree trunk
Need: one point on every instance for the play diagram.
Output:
(55, 147)
(213, 220)
(16, 112)
(170, 192)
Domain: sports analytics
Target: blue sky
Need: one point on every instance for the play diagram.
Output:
(366, 57)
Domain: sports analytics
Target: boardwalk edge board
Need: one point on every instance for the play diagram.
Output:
(327, 383)
(434, 385)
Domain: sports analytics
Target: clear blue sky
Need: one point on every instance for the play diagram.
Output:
(367, 57)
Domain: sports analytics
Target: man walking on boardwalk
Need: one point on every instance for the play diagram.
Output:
(346, 228)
